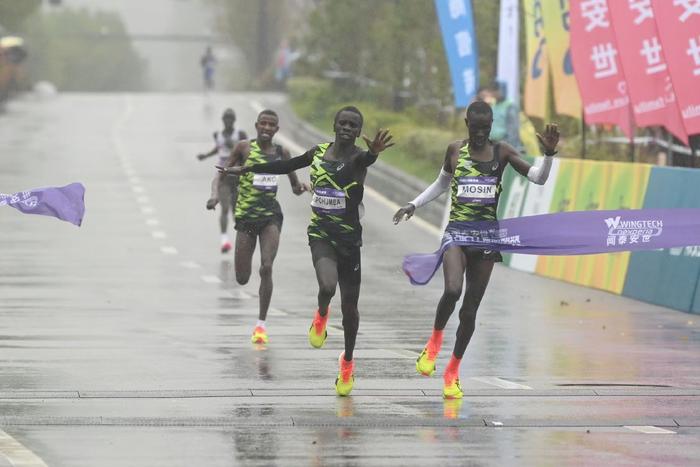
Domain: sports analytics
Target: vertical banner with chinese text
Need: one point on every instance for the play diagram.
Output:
(556, 29)
(537, 72)
(459, 39)
(646, 72)
(509, 50)
(597, 66)
(678, 24)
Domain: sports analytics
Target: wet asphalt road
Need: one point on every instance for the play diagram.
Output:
(126, 342)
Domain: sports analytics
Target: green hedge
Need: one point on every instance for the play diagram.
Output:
(419, 149)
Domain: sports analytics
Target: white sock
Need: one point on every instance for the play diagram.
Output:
(224, 238)
(261, 323)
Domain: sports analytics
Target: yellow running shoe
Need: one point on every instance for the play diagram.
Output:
(317, 331)
(425, 365)
(346, 378)
(259, 336)
(452, 390)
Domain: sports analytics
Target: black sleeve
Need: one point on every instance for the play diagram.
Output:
(366, 159)
(284, 166)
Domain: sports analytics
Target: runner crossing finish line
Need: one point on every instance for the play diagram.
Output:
(66, 203)
(565, 233)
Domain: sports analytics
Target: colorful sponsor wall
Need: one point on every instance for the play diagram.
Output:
(666, 277)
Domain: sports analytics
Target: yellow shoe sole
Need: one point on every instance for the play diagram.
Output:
(344, 389)
(315, 340)
(424, 366)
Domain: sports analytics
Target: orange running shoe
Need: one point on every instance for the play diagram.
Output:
(346, 378)
(425, 365)
(259, 336)
(317, 331)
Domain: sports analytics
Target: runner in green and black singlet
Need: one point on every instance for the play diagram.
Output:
(472, 169)
(338, 172)
(258, 214)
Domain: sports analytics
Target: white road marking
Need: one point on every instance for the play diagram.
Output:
(404, 353)
(143, 199)
(137, 189)
(168, 250)
(135, 180)
(241, 295)
(211, 279)
(295, 148)
(497, 424)
(501, 383)
(650, 430)
(152, 222)
(190, 265)
(158, 234)
(147, 209)
(276, 312)
(17, 454)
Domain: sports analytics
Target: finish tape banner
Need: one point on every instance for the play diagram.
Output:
(565, 233)
(66, 203)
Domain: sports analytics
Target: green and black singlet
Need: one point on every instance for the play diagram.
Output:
(257, 192)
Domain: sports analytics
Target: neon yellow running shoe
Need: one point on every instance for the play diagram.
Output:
(259, 336)
(345, 379)
(452, 390)
(425, 365)
(317, 331)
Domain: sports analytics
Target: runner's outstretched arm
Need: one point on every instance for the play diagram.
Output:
(539, 173)
(297, 187)
(277, 167)
(438, 187)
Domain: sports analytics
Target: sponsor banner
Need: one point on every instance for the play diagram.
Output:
(597, 67)
(678, 23)
(66, 203)
(508, 70)
(563, 199)
(537, 201)
(626, 188)
(537, 72)
(459, 39)
(592, 191)
(646, 71)
(566, 233)
(556, 30)
(665, 277)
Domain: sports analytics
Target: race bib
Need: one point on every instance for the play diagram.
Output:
(477, 190)
(328, 201)
(265, 182)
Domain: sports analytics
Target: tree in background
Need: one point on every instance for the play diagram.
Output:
(14, 12)
(67, 48)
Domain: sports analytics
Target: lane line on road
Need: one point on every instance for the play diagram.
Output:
(500, 382)
(295, 148)
(147, 209)
(190, 265)
(152, 222)
(18, 454)
(650, 430)
(211, 279)
(137, 189)
(143, 199)
(158, 234)
(168, 250)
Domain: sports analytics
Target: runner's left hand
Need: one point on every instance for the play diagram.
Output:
(230, 171)
(301, 188)
(381, 141)
(550, 139)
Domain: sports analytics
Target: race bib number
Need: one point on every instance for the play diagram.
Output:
(265, 182)
(477, 190)
(328, 201)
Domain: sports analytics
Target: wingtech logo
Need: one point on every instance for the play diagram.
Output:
(623, 232)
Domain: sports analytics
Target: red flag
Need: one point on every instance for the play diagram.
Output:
(678, 23)
(597, 66)
(642, 57)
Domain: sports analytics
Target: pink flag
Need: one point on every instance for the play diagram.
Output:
(678, 22)
(597, 66)
(642, 57)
